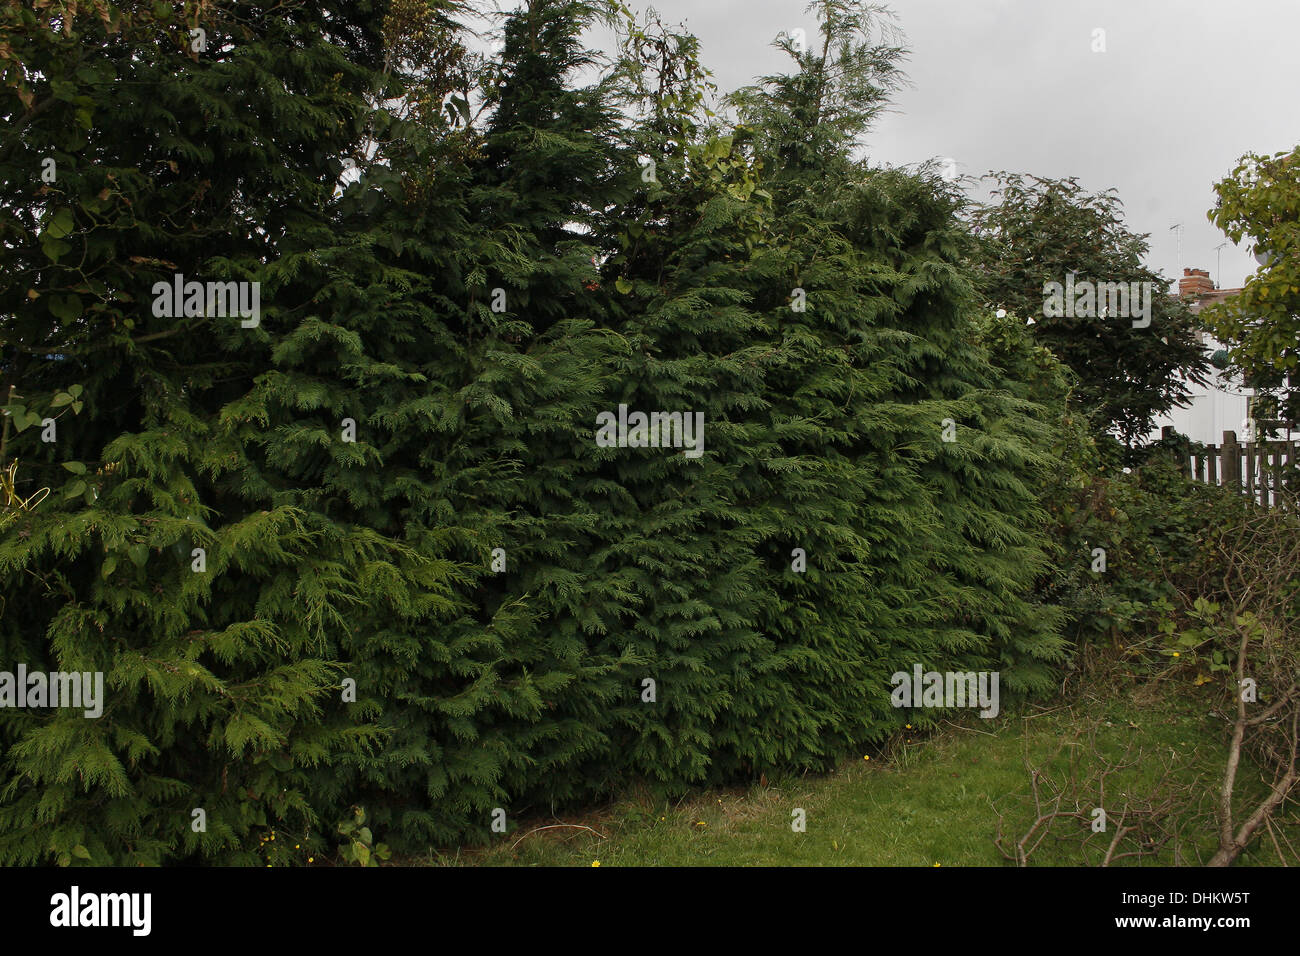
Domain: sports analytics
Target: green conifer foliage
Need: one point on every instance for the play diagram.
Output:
(174, 152)
(921, 550)
(424, 587)
(463, 335)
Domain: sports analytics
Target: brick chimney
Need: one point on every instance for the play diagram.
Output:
(1195, 282)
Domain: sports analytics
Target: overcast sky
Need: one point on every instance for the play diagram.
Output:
(1183, 89)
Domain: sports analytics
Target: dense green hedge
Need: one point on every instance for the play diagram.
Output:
(370, 563)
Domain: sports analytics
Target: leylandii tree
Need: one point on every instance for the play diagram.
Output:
(814, 313)
(677, 247)
(482, 310)
(149, 146)
(926, 548)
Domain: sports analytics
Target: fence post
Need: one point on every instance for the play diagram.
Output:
(1231, 453)
(1166, 433)
(1252, 452)
(1266, 475)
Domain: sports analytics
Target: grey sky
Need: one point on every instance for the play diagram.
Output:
(1182, 90)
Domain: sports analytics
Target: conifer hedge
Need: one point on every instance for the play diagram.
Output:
(368, 552)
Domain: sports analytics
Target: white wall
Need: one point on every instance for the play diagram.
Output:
(1219, 407)
(1213, 411)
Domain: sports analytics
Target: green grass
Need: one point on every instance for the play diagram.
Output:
(921, 802)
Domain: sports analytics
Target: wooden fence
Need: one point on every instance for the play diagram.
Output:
(1254, 468)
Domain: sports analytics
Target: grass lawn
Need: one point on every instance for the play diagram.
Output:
(922, 802)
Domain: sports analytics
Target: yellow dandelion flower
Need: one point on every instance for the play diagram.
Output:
(1175, 653)
(311, 859)
(866, 757)
(595, 862)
